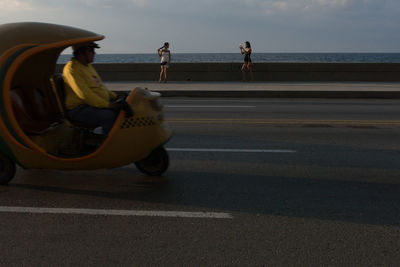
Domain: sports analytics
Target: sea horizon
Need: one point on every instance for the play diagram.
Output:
(330, 57)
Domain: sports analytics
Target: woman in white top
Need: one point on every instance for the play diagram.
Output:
(165, 56)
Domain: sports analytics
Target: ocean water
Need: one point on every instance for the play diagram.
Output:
(256, 57)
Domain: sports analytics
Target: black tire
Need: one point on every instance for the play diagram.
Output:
(7, 170)
(155, 164)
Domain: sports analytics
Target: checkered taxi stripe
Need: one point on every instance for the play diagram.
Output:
(138, 122)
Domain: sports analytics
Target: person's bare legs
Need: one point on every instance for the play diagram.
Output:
(165, 74)
(250, 69)
(243, 72)
(161, 74)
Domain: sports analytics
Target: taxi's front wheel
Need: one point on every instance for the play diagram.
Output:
(7, 170)
(155, 164)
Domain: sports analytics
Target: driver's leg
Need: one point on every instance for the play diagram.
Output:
(94, 117)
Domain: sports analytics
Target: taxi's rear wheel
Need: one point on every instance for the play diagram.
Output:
(155, 164)
(7, 170)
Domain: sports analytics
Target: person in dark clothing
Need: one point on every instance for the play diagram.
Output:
(248, 64)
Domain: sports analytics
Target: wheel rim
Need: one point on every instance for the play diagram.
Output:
(155, 164)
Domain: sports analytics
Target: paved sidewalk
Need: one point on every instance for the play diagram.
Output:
(267, 89)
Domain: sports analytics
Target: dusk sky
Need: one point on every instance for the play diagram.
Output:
(141, 26)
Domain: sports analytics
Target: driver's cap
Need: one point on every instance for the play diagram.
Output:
(89, 44)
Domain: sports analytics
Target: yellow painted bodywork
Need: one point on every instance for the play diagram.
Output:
(28, 56)
(130, 140)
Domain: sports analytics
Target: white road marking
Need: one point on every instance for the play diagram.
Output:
(205, 106)
(241, 101)
(232, 150)
(148, 213)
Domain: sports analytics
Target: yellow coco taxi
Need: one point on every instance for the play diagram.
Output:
(34, 129)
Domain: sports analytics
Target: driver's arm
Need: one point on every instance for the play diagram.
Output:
(82, 88)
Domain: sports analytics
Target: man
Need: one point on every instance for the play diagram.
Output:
(87, 100)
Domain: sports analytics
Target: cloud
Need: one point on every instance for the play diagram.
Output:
(197, 8)
(115, 4)
(331, 3)
(207, 25)
(78, 5)
(16, 5)
(282, 7)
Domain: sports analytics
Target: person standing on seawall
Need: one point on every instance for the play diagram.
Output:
(165, 54)
(246, 51)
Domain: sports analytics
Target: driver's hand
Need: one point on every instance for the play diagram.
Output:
(122, 95)
(115, 106)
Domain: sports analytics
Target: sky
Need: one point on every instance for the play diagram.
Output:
(218, 26)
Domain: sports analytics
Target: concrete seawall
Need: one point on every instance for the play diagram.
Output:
(357, 72)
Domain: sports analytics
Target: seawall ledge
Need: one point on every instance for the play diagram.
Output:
(263, 72)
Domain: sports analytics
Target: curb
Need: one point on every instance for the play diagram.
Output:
(283, 94)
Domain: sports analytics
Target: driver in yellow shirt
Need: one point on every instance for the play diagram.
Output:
(87, 99)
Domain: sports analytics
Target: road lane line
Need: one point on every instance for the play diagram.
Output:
(147, 213)
(286, 121)
(205, 106)
(232, 150)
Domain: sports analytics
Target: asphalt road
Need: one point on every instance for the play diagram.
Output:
(252, 182)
